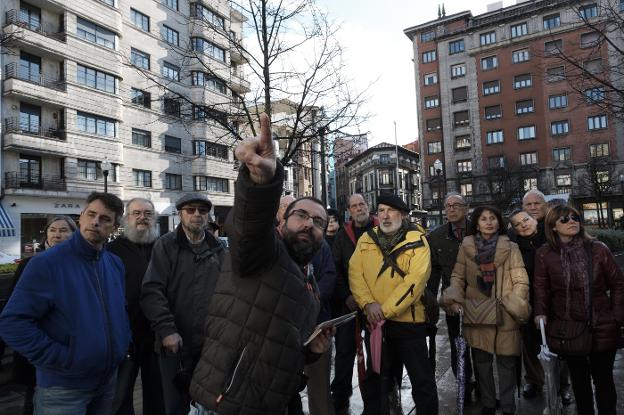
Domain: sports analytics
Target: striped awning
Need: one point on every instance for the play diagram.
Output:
(7, 229)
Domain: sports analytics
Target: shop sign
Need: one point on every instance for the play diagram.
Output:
(65, 205)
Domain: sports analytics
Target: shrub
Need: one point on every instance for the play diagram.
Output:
(612, 238)
(8, 268)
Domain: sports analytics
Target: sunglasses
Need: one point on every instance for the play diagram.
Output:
(191, 210)
(567, 218)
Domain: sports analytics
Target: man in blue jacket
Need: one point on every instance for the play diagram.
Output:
(67, 316)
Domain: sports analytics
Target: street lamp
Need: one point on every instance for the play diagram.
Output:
(437, 166)
(106, 167)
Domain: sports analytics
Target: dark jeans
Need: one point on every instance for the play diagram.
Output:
(452, 323)
(145, 360)
(175, 402)
(57, 400)
(341, 386)
(406, 344)
(598, 366)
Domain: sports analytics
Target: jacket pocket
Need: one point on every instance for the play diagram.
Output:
(237, 374)
(410, 292)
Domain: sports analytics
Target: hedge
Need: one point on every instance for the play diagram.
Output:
(8, 268)
(612, 238)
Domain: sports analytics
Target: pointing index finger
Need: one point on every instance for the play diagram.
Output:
(265, 130)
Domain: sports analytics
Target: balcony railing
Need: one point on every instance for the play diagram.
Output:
(15, 125)
(20, 19)
(15, 180)
(15, 70)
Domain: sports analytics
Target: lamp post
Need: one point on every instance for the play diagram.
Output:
(437, 166)
(106, 166)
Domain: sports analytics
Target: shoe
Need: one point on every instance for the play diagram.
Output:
(488, 411)
(529, 391)
(566, 397)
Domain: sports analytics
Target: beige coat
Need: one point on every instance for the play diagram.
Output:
(510, 272)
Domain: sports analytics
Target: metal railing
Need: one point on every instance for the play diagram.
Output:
(15, 125)
(15, 180)
(17, 71)
(20, 19)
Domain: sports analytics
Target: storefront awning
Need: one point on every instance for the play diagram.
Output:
(7, 229)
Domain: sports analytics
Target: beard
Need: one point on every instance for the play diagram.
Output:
(141, 236)
(301, 251)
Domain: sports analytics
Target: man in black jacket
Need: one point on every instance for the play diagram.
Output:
(176, 292)
(134, 248)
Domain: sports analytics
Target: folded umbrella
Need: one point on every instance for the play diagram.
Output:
(376, 345)
(550, 364)
(460, 344)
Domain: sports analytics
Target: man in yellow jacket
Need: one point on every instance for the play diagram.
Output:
(388, 273)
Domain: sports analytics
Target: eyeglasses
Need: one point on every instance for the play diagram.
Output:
(567, 218)
(191, 210)
(454, 206)
(304, 216)
(146, 213)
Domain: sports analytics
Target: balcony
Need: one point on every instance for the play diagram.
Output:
(239, 84)
(15, 180)
(14, 125)
(17, 18)
(237, 56)
(16, 71)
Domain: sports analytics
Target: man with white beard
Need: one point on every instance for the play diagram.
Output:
(134, 248)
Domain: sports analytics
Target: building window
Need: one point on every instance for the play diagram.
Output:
(140, 20)
(87, 169)
(456, 46)
(521, 29)
(434, 147)
(431, 79)
(590, 40)
(489, 62)
(96, 79)
(204, 79)
(461, 119)
(563, 180)
(526, 132)
(427, 36)
(622, 5)
(597, 122)
(553, 47)
(529, 183)
(496, 162)
(524, 107)
(551, 21)
(142, 178)
(211, 184)
(519, 56)
(593, 66)
(493, 112)
(173, 181)
(140, 97)
(207, 148)
(462, 142)
(432, 102)
(557, 101)
(94, 124)
(528, 159)
(457, 71)
(460, 94)
(30, 16)
(559, 127)
(464, 166)
(384, 159)
(95, 34)
(141, 138)
(594, 95)
(487, 38)
(30, 118)
(173, 144)
(434, 124)
(201, 45)
(494, 137)
(172, 4)
(562, 154)
(491, 87)
(555, 74)
(202, 12)
(171, 71)
(465, 189)
(522, 81)
(171, 106)
(139, 58)
(599, 150)
(588, 11)
(170, 35)
(429, 56)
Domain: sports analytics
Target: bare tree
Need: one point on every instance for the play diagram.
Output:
(598, 180)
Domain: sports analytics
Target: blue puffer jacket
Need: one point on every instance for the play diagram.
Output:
(67, 315)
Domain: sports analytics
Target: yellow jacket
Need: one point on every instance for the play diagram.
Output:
(399, 297)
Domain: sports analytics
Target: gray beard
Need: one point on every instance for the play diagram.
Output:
(141, 236)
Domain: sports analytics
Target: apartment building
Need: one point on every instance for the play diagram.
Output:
(344, 149)
(497, 112)
(115, 91)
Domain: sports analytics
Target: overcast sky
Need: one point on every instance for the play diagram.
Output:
(372, 33)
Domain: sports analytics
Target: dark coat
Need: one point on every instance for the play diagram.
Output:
(325, 274)
(528, 246)
(260, 315)
(607, 294)
(444, 247)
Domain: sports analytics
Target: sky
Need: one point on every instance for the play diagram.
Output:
(378, 51)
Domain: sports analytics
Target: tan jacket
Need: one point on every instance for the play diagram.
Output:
(510, 272)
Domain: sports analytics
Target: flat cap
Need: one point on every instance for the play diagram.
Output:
(193, 198)
(393, 201)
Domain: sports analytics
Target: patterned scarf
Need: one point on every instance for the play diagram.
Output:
(574, 264)
(486, 249)
(389, 241)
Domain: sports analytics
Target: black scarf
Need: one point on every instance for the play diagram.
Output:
(486, 249)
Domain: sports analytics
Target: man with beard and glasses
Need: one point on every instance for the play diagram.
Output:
(177, 289)
(388, 273)
(134, 248)
(266, 301)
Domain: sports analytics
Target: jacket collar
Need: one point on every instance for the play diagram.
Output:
(350, 227)
(80, 246)
(208, 238)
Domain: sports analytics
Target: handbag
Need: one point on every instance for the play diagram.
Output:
(484, 312)
(569, 337)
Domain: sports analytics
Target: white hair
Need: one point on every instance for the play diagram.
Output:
(536, 193)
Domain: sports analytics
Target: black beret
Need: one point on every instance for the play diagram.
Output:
(393, 201)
